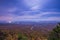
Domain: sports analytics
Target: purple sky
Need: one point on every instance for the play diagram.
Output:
(29, 10)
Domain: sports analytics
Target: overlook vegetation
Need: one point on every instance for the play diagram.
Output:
(26, 34)
(55, 33)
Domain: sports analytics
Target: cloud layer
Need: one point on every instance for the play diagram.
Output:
(29, 10)
(41, 16)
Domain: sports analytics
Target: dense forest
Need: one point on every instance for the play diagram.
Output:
(26, 34)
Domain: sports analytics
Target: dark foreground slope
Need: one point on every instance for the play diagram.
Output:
(26, 31)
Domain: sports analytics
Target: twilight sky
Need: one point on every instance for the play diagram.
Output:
(29, 10)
